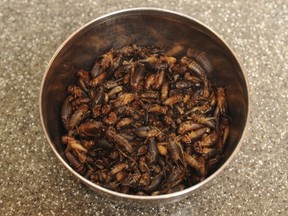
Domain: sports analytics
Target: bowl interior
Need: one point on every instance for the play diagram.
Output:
(141, 27)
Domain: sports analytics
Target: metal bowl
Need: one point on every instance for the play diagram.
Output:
(144, 27)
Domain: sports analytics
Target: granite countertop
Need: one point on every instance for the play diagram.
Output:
(34, 182)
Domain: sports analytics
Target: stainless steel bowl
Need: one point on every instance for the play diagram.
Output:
(142, 26)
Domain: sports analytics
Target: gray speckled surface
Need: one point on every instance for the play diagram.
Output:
(32, 180)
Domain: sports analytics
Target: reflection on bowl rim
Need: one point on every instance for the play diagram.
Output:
(184, 192)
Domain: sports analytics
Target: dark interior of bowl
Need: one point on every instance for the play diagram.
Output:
(143, 28)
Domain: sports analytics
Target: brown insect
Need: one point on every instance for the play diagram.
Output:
(131, 180)
(174, 178)
(150, 94)
(179, 68)
(124, 122)
(142, 150)
(145, 180)
(169, 121)
(96, 69)
(223, 133)
(137, 75)
(173, 100)
(201, 58)
(106, 109)
(119, 140)
(162, 148)
(194, 135)
(98, 80)
(147, 131)
(155, 108)
(193, 79)
(73, 144)
(118, 168)
(155, 182)
(221, 100)
(169, 60)
(208, 140)
(88, 144)
(111, 119)
(76, 91)
(97, 95)
(83, 80)
(196, 163)
(152, 61)
(205, 152)
(152, 150)
(208, 121)
(90, 128)
(75, 163)
(150, 80)
(78, 116)
(194, 66)
(164, 91)
(206, 88)
(184, 84)
(202, 109)
(143, 167)
(100, 176)
(124, 99)
(66, 111)
(78, 101)
(109, 84)
(120, 176)
(96, 111)
(175, 150)
(115, 90)
(188, 126)
(160, 77)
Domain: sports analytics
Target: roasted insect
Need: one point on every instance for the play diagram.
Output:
(145, 123)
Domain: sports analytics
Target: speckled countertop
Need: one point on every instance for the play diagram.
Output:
(32, 180)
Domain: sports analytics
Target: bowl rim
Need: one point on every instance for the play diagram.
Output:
(163, 197)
